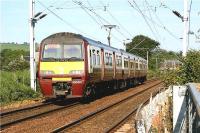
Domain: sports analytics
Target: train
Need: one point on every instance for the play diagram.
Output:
(74, 66)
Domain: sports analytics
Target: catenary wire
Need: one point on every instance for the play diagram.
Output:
(143, 17)
(70, 25)
(159, 25)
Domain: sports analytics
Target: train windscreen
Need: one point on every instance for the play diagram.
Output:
(62, 52)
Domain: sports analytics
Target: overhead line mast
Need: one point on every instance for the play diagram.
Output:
(33, 20)
(186, 28)
(32, 46)
(109, 31)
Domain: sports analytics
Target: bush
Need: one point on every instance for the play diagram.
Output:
(15, 87)
(151, 74)
(12, 60)
(191, 67)
(189, 71)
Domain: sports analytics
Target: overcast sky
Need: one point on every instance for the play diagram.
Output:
(67, 16)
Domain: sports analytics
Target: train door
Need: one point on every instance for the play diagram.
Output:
(114, 65)
(90, 63)
(95, 60)
(134, 67)
(108, 67)
(102, 64)
(122, 66)
(129, 67)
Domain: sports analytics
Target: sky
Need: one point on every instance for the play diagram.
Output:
(155, 20)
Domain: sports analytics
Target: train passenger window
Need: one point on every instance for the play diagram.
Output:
(126, 64)
(131, 63)
(106, 59)
(98, 59)
(90, 58)
(110, 59)
(118, 61)
(94, 59)
(137, 66)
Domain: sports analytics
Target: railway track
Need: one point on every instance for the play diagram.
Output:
(23, 114)
(85, 119)
(24, 108)
(37, 111)
(122, 121)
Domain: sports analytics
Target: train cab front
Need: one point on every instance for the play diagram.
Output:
(62, 68)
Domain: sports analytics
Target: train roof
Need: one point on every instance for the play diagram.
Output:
(93, 43)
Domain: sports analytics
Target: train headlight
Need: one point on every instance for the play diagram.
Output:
(76, 72)
(46, 72)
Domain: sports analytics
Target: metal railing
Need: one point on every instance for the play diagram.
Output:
(193, 108)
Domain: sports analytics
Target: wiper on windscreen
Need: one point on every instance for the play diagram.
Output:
(74, 59)
(49, 59)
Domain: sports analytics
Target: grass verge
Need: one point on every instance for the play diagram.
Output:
(15, 86)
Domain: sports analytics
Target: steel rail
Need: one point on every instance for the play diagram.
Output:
(98, 111)
(126, 117)
(23, 109)
(37, 115)
(28, 108)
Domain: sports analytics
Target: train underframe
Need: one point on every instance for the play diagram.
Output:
(111, 86)
(91, 90)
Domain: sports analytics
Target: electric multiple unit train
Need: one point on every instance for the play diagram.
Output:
(72, 65)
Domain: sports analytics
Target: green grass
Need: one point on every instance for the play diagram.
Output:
(11, 46)
(15, 86)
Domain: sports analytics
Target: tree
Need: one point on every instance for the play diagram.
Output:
(189, 71)
(161, 55)
(191, 67)
(140, 44)
(12, 60)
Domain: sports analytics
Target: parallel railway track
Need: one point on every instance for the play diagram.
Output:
(23, 109)
(76, 123)
(119, 123)
(37, 111)
(19, 115)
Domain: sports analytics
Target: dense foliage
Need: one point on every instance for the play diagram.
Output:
(191, 67)
(15, 78)
(12, 60)
(158, 56)
(189, 71)
(15, 87)
(140, 44)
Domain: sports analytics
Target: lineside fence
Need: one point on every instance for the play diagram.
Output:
(186, 108)
(193, 108)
